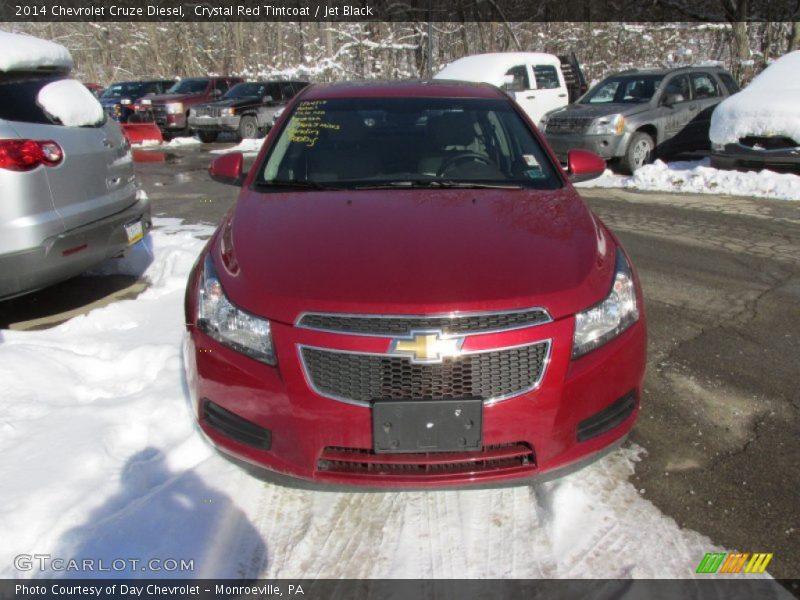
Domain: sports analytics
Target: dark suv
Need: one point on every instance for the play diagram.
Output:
(170, 110)
(633, 116)
(119, 98)
(247, 109)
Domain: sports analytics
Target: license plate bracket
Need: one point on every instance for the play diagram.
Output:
(408, 426)
(134, 231)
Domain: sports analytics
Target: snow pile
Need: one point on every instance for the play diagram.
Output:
(246, 146)
(99, 458)
(178, 142)
(697, 177)
(769, 106)
(19, 52)
(71, 103)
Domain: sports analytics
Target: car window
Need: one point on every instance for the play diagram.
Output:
(521, 81)
(18, 100)
(629, 89)
(677, 85)
(357, 142)
(546, 77)
(223, 85)
(274, 90)
(730, 84)
(703, 86)
(287, 90)
(189, 86)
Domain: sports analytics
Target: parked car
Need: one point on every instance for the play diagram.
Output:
(633, 116)
(246, 109)
(170, 111)
(538, 82)
(410, 292)
(118, 99)
(760, 126)
(66, 173)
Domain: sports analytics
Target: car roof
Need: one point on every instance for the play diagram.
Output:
(665, 71)
(429, 88)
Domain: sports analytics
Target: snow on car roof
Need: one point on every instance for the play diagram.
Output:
(20, 52)
(492, 67)
(769, 106)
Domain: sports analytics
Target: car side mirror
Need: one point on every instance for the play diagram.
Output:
(671, 99)
(583, 165)
(227, 168)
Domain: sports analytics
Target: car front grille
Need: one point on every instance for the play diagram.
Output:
(768, 142)
(568, 125)
(388, 326)
(362, 378)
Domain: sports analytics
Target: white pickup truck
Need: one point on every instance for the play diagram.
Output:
(539, 82)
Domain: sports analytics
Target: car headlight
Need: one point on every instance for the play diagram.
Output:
(125, 101)
(605, 321)
(610, 125)
(228, 112)
(277, 114)
(174, 108)
(228, 324)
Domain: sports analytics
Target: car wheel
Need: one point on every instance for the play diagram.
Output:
(208, 137)
(248, 127)
(640, 151)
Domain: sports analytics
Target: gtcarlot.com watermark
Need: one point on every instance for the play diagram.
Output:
(48, 562)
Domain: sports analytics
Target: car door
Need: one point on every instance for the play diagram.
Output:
(676, 111)
(519, 88)
(550, 90)
(706, 94)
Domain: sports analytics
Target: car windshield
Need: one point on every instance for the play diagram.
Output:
(628, 89)
(407, 142)
(247, 89)
(124, 90)
(189, 86)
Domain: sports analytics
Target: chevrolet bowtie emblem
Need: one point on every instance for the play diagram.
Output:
(427, 346)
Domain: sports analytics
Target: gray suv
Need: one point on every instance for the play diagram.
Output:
(633, 116)
(68, 193)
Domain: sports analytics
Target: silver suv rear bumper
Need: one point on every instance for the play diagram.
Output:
(69, 253)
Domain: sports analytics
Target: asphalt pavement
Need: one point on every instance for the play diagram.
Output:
(721, 279)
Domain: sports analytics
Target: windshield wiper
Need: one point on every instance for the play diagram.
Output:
(438, 183)
(294, 183)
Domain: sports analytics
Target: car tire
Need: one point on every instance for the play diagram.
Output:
(640, 151)
(248, 127)
(208, 137)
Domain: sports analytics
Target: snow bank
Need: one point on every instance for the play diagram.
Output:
(71, 103)
(247, 146)
(19, 52)
(178, 142)
(697, 177)
(770, 105)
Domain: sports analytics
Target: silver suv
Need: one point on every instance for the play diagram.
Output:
(68, 193)
(633, 116)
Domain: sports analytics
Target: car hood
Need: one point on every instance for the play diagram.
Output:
(413, 251)
(235, 102)
(595, 111)
(165, 98)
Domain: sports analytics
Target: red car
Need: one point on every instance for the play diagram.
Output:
(410, 292)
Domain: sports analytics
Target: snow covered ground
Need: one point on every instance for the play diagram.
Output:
(696, 177)
(249, 147)
(100, 459)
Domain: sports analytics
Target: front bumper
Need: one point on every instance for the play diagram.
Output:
(606, 146)
(70, 253)
(206, 123)
(739, 156)
(271, 417)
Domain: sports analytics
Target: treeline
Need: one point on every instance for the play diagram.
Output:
(107, 52)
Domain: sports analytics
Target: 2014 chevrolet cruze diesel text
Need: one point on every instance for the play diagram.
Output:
(409, 292)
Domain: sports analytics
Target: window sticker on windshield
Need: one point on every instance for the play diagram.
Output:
(530, 160)
(308, 121)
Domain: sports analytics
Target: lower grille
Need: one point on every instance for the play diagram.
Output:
(363, 378)
(235, 427)
(505, 458)
(608, 418)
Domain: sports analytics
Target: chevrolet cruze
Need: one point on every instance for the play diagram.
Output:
(410, 292)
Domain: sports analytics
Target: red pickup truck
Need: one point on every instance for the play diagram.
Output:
(170, 110)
